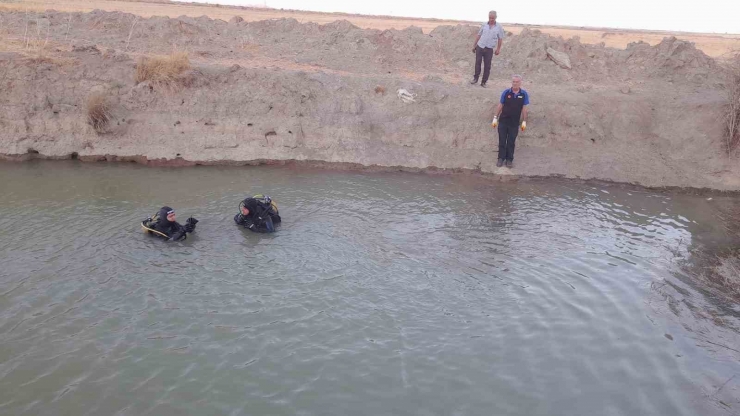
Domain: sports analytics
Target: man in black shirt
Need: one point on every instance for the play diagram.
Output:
(164, 225)
(511, 110)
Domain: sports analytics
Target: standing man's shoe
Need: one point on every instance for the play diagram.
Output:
(483, 84)
(500, 163)
(474, 81)
(509, 164)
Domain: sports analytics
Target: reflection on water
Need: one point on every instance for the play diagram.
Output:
(380, 294)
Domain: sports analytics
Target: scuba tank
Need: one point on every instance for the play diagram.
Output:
(265, 202)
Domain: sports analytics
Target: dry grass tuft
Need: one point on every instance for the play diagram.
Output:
(98, 112)
(380, 89)
(40, 59)
(162, 70)
(732, 107)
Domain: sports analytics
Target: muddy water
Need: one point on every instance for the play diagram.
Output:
(382, 293)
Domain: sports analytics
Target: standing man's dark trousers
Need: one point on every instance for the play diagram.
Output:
(507, 132)
(485, 55)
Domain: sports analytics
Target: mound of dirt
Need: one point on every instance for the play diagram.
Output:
(671, 58)
(528, 55)
(342, 46)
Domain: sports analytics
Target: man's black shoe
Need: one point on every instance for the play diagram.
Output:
(474, 81)
(500, 163)
(509, 164)
(483, 85)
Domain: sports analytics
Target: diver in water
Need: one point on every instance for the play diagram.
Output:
(164, 225)
(258, 213)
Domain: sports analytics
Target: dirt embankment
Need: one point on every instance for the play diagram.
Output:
(714, 45)
(281, 90)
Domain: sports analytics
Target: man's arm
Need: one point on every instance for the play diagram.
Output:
(245, 221)
(265, 226)
(500, 106)
(526, 106)
(500, 40)
(179, 233)
(248, 223)
(475, 44)
(477, 38)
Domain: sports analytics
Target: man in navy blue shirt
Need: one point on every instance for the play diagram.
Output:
(510, 112)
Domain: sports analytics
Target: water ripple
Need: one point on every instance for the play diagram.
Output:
(380, 294)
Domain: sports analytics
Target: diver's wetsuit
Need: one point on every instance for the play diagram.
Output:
(261, 218)
(173, 229)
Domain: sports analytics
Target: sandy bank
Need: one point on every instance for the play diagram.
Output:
(645, 115)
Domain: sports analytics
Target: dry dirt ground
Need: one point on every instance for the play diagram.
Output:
(292, 89)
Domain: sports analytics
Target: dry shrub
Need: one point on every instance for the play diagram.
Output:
(732, 108)
(162, 70)
(98, 112)
(51, 60)
(380, 89)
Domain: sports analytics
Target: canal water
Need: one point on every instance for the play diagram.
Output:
(380, 294)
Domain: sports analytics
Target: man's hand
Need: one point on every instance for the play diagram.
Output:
(497, 51)
(475, 49)
(190, 224)
(524, 125)
(494, 123)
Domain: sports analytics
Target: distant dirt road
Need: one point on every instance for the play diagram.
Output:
(712, 44)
